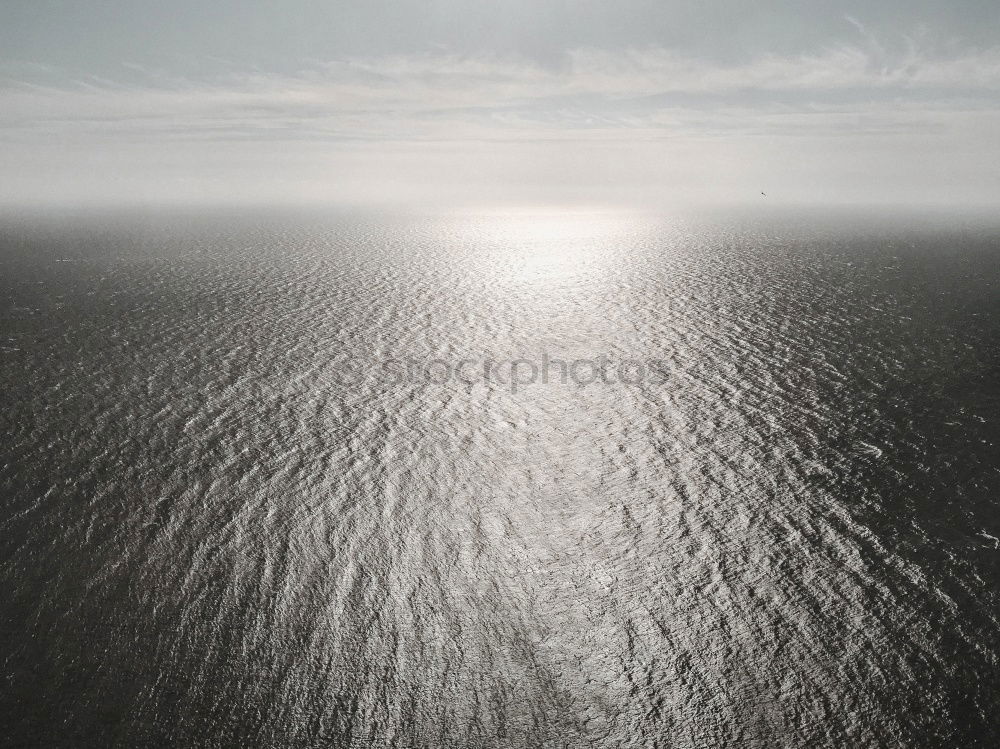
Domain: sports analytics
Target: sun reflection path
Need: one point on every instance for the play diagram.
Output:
(551, 247)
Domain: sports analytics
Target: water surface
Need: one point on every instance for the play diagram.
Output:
(223, 524)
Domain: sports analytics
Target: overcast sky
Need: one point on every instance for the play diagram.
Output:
(500, 101)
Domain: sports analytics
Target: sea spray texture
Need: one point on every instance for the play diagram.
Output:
(207, 540)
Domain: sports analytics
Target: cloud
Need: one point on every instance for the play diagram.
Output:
(356, 126)
(457, 97)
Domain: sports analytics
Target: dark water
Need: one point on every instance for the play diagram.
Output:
(223, 525)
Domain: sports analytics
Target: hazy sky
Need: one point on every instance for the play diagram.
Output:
(500, 101)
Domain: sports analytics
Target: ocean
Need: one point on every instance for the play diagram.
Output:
(514, 478)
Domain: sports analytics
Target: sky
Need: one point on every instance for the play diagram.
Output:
(498, 102)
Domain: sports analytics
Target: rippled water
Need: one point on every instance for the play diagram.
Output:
(222, 526)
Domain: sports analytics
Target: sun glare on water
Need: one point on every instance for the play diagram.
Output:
(548, 247)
